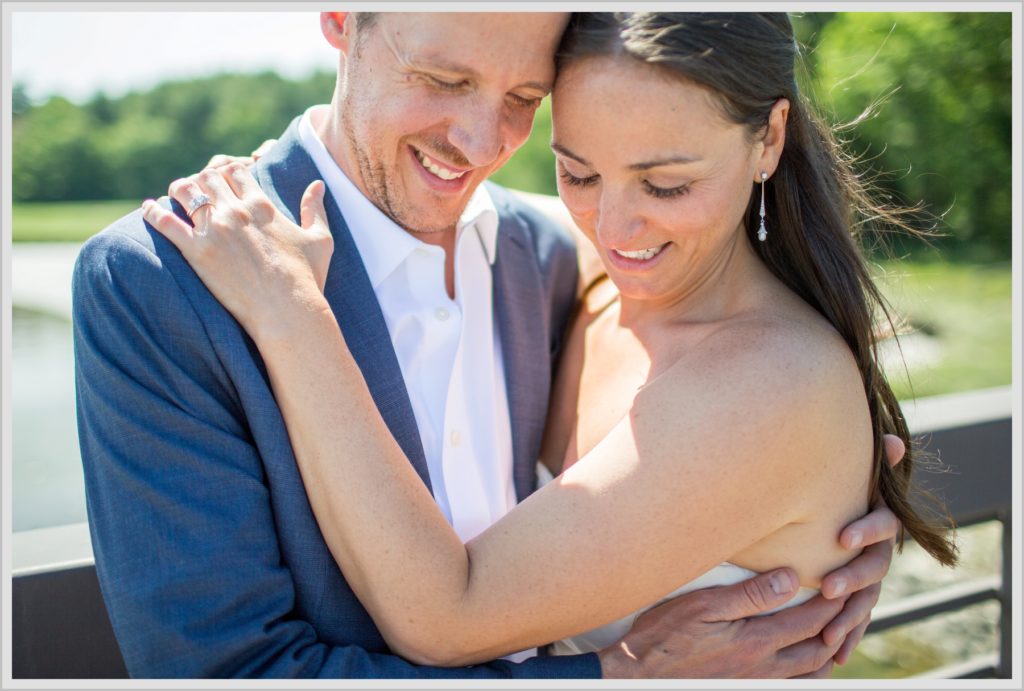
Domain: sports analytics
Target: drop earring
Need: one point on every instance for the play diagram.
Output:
(762, 232)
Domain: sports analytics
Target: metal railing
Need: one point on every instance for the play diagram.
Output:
(971, 433)
(61, 629)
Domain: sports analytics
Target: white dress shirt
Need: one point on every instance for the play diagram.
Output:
(448, 350)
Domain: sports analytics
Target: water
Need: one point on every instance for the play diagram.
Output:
(47, 483)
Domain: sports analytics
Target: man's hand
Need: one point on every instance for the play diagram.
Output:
(715, 633)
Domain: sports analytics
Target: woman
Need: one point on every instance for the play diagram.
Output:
(718, 409)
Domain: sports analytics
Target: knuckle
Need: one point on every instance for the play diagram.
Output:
(754, 591)
(699, 604)
(237, 215)
(323, 244)
(235, 168)
(207, 174)
(261, 206)
(178, 186)
(753, 646)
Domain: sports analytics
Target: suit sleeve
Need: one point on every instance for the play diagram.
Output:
(179, 510)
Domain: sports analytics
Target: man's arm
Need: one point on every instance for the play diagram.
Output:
(180, 510)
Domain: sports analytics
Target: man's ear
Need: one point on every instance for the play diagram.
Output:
(774, 139)
(336, 28)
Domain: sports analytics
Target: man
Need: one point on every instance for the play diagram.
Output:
(452, 298)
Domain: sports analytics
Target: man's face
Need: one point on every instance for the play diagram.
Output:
(432, 104)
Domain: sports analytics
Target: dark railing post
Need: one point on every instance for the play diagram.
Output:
(1005, 600)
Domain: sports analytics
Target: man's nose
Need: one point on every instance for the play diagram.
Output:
(478, 133)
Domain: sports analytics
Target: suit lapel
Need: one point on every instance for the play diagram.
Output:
(284, 175)
(517, 298)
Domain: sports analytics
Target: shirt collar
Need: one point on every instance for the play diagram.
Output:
(382, 243)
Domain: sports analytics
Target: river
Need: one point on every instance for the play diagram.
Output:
(47, 483)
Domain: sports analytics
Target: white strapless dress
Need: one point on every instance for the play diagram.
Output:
(723, 574)
(599, 638)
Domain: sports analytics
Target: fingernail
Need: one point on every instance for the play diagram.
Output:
(839, 587)
(780, 582)
(855, 539)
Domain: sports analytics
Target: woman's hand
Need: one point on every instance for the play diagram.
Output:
(263, 268)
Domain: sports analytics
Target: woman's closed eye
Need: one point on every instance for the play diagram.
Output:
(665, 192)
(571, 179)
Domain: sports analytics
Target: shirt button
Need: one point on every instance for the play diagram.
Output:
(456, 438)
(442, 314)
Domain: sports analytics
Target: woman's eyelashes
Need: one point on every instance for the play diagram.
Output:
(571, 179)
(652, 190)
(665, 192)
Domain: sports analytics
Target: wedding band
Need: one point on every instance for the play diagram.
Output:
(197, 203)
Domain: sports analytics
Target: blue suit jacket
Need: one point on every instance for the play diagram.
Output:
(209, 557)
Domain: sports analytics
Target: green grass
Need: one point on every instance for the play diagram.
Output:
(965, 309)
(65, 221)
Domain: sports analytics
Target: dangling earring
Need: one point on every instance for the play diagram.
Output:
(762, 232)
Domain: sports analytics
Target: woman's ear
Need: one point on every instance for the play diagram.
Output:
(335, 27)
(774, 139)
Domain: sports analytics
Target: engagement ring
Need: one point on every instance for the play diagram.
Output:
(197, 203)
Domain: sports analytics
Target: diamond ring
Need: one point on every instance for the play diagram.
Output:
(197, 203)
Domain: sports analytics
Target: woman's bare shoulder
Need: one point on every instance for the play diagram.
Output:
(781, 347)
(784, 381)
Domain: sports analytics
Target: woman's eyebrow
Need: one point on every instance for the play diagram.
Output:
(558, 148)
(646, 165)
(670, 161)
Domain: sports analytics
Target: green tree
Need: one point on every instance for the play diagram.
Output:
(133, 146)
(942, 128)
(55, 155)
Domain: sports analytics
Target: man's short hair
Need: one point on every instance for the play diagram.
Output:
(365, 20)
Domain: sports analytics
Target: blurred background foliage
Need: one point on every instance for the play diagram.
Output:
(131, 147)
(939, 134)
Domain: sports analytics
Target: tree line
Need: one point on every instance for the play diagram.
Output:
(930, 94)
(131, 147)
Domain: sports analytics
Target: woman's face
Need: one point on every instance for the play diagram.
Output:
(652, 172)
